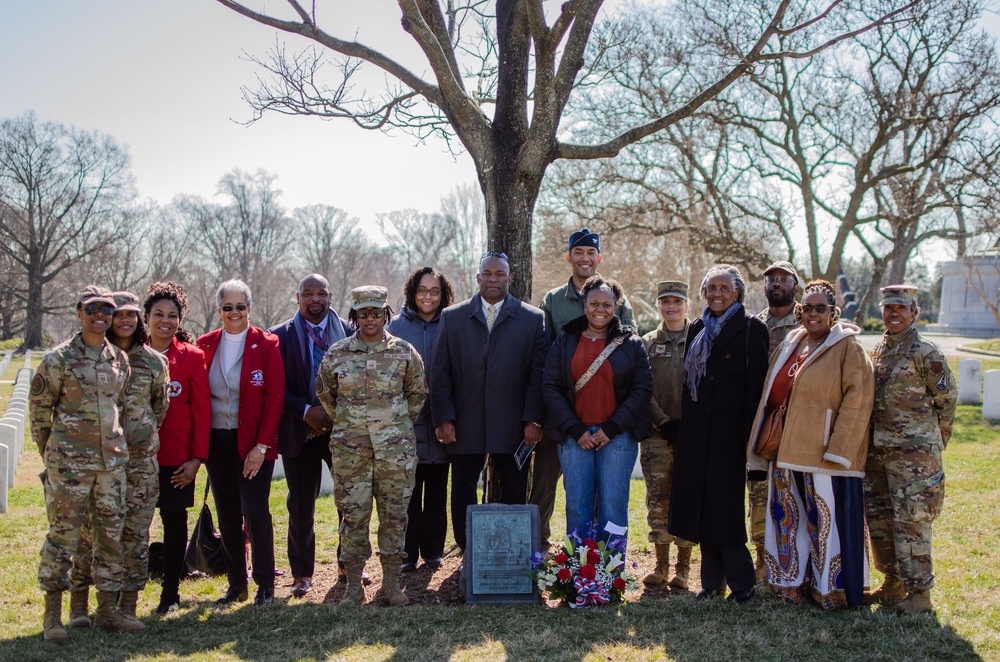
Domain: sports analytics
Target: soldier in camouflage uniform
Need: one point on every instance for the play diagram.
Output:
(372, 386)
(781, 287)
(915, 399)
(77, 399)
(665, 346)
(146, 399)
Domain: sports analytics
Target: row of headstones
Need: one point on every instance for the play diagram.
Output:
(12, 433)
(5, 362)
(976, 387)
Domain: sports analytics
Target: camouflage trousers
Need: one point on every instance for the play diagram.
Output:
(357, 479)
(904, 492)
(757, 496)
(142, 489)
(657, 461)
(69, 495)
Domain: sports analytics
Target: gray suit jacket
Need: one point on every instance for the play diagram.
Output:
(489, 384)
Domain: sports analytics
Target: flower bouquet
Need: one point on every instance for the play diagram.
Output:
(584, 572)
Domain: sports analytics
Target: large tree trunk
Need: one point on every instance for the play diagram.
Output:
(33, 320)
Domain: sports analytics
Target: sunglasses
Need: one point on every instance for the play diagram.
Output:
(502, 256)
(102, 308)
(240, 307)
(770, 280)
(819, 308)
(371, 313)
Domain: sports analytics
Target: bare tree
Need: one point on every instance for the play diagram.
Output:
(64, 194)
(416, 238)
(464, 205)
(523, 64)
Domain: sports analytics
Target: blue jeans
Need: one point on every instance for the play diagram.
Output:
(597, 479)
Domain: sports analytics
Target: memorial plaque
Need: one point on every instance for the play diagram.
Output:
(501, 539)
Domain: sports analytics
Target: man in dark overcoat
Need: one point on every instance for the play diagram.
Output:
(486, 387)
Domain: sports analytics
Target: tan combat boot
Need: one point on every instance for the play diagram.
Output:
(108, 618)
(917, 601)
(682, 568)
(52, 627)
(79, 611)
(127, 605)
(662, 570)
(889, 593)
(390, 582)
(354, 593)
(759, 569)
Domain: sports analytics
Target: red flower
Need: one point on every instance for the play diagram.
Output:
(619, 584)
(561, 559)
(563, 575)
(588, 572)
(590, 543)
(593, 557)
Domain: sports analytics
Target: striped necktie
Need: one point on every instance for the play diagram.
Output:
(319, 346)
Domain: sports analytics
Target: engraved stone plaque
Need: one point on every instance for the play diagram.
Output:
(501, 539)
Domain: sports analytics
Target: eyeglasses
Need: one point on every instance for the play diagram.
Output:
(240, 307)
(819, 308)
(502, 256)
(102, 308)
(771, 280)
(371, 313)
(434, 292)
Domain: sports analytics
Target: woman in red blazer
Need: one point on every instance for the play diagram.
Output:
(246, 379)
(184, 433)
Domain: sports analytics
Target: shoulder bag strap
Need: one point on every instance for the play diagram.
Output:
(598, 362)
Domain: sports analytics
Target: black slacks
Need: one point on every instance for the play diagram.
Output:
(427, 523)
(304, 474)
(727, 564)
(465, 472)
(238, 499)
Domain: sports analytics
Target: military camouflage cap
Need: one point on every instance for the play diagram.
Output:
(369, 296)
(126, 301)
(95, 294)
(782, 265)
(671, 288)
(901, 294)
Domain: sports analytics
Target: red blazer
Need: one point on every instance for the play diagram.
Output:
(184, 433)
(262, 389)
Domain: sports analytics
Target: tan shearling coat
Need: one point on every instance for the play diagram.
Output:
(830, 405)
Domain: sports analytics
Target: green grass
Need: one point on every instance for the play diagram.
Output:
(990, 345)
(966, 625)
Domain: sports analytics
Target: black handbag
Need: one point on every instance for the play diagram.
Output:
(204, 550)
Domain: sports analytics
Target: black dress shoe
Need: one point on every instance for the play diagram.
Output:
(741, 596)
(234, 594)
(265, 596)
(708, 594)
(434, 563)
(407, 566)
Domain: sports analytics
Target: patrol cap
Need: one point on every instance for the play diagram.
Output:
(369, 296)
(126, 301)
(584, 237)
(782, 265)
(671, 288)
(95, 294)
(901, 294)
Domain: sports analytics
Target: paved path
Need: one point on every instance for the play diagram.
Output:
(948, 344)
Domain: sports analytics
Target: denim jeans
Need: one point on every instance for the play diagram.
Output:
(597, 480)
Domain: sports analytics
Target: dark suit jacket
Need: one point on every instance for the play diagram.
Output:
(489, 384)
(300, 382)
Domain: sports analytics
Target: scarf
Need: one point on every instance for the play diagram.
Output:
(701, 347)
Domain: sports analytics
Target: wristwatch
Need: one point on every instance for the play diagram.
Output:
(262, 448)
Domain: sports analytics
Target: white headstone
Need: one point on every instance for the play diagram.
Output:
(326, 481)
(991, 395)
(4, 455)
(279, 469)
(970, 381)
(15, 442)
(8, 466)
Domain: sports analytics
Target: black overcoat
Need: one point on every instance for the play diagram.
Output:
(708, 497)
(489, 384)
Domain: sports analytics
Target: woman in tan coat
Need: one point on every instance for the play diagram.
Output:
(815, 541)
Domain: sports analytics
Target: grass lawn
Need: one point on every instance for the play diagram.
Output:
(966, 625)
(991, 345)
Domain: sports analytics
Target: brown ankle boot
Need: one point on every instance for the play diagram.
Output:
(390, 582)
(917, 601)
(52, 627)
(354, 593)
(110, 619)
(662, 569)
(126, 607)
(890, 592)
(682, 568)
(79, 610)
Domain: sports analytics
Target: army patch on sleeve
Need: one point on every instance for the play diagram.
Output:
(37, 385)
(942, 384)
(937, 367)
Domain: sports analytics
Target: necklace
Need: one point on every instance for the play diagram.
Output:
(591, 336)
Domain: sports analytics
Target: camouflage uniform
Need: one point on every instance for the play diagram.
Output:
(146, 399)
(77, 397)
(915, 399)
(373, 393)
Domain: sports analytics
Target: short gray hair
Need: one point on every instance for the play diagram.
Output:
(230, 285)
(725, 270)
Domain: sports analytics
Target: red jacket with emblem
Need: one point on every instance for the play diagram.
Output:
(184, 433)
(262, 388)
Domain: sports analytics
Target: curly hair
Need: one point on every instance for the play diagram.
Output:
(413, 282)
(352, 315)
(725, 270)
(170, 291)
(826, 288)
(598, 282)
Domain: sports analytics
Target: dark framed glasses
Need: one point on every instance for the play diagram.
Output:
(240, 307)
(102, 308)
(819, 308)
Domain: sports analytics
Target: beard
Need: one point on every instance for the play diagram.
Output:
(779, 298)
